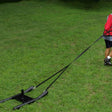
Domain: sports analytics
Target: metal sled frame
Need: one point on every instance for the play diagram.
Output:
(23, 98)
(28, 100)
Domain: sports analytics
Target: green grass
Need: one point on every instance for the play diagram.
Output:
(39, 38)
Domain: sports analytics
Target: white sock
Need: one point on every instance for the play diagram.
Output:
(108, 57)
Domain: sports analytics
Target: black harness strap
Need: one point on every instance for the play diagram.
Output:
(61, 71)
(27, 100)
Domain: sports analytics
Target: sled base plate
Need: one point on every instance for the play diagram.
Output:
(22, 98)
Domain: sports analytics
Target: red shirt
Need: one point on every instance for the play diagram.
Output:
(108, 26)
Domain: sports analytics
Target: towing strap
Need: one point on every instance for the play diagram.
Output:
(27, 100)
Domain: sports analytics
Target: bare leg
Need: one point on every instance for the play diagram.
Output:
(107, 51)
(110, 54)
(107, 61)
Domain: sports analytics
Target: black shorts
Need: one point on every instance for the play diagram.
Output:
(108, 43)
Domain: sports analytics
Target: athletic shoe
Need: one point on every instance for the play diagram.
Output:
(107, 62)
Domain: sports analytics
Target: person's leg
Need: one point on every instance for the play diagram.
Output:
(110, 53)
(107, 52)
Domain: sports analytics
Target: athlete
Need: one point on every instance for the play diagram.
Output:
(107, 35)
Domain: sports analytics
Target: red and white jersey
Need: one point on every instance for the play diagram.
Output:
(108, 26)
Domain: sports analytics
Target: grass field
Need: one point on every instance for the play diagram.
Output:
(39, 38)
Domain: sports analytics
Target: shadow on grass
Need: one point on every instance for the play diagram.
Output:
(80, 4)
(9, 1)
